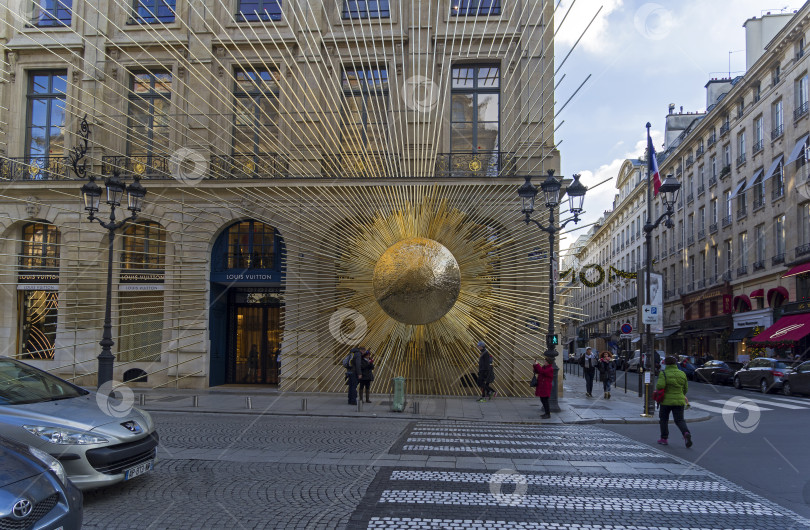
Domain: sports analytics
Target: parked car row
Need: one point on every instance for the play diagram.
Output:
(57, 438)
(764, 373)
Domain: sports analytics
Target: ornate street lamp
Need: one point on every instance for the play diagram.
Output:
(551, 190)
(91, 197)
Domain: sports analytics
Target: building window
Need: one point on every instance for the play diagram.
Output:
(255, 10)
(713, 164)
(52, 13)
(714, 211)
(365, 118)
(149, 100)
(38, 315)
(756, 91)
(729, 255)
(741, 147)
(251, 245)
(475, 7)
(779, 234)
(759, 233)
(366, 9)
(716, 261)
(46, 117)
(702, 219)
(779, 181)
(777, 116)
(256, 111)
(144, 246)
(804, 224)
(154, 11)
(803, 287)
(475, 109)
(759, 191)
(776, 74)
(140, 332)
(801, 96)
(726, 156)
(759, 138)
(727, 195)
(743, 249)
(40, 247)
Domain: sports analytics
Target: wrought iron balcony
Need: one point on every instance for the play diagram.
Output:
(726, 221)
(742, 270)
(724, 128)
(777, 132)
(759, 265)
(671, 250)
(669, 293)
(679, 170)
(360, 165)
(779, 258)
(713, 228)
(479, 164)
(801, 250)
(248, 166)
(712, 139)
(701, 190)
(690, 287)
(726, 171)
(712, 181)
(690, 240)
(726, 276)
(801, 110)
(701, 234)
(741, 159)
(154, 166)
(778, 193)
(689, 161)
(690, 198)
(36, 168)
(741, 213)
(759, 146)
(701, 284)
(759, 203)
(699, 151)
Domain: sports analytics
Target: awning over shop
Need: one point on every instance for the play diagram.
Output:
(777, 290)
(739, 334)
(789, 328)
(798, 269)
(742, 298)
(797, 149)
(667, 333)
(773, 167)
(707, 331)
(759, 293)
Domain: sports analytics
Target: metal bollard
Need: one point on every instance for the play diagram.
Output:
(359, 405)
(304, 404)
(415, 406)
(195, 401)
(248, 402)
(141, 400)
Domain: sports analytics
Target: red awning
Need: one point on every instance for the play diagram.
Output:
(777, 290)
(744, 299)
(759, 293)
(798, 269)
(790, 328)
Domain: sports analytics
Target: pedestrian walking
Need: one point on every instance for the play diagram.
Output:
(354, 373)
(589, 361)
(607, 371)
(675, 386)
(253, 364)
(486, 372)
(545, 375)
(366, 373)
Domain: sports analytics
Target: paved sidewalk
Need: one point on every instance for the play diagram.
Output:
(575, 407)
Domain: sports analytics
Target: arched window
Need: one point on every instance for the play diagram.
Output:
(251, 245)
(40, 247)
(37, 287)
(144, 246)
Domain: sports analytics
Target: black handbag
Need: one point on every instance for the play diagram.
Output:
(533, 382)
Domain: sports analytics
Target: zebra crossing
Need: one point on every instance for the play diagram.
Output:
(561, 477)
(754, 403)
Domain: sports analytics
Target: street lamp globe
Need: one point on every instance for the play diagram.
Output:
(135, 195)
(91, 195)
(669, 190)
(551, 189)
(527, 192)
(576, 195)
(115, 189)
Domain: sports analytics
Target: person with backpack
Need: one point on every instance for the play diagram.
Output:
(588, 362)
(607, 371)
(486, 372)
(354, 372)
(674, 384)
(366, 374)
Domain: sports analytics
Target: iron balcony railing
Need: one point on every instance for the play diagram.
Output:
(690, 198)
(713, 228)
(741, 159)
(741, 213)
(759, 203)
(36, 168)
(699, 151)
(712, 181)
(724, 128)
(249, 166)
(478, 164)
(778, 192)
(759, 146)
(801, 110)
(779, 258)
(690, 240)
(726, 276)
(701, 284)
(759, 265)
(153, 166)
(359, 165)
(671, 250)
(726, 221)
(726, 171)
(742, 270)
(801, 250)
(689, 161)
(669, 293)
(701, 234)
(701, 190)
(777, 132)
(712, 139)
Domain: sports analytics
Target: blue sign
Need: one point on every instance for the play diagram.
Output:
(627, 328)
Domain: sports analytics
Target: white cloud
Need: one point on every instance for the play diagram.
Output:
(597, 36)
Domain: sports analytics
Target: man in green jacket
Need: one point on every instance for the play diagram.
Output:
(676, 385)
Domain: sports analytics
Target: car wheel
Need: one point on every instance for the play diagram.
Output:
(737, 383)
(786, 388)
(763, 386)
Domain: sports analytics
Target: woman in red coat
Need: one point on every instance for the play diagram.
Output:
(545, 374)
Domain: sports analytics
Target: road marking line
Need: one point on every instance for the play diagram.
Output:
(701, 406)
(775, 404)
(397, 523)
(741, 404)
(804, 402)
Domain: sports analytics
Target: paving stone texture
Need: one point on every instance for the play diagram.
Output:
(240, 471)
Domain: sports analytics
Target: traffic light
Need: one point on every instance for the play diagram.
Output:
(552, 341)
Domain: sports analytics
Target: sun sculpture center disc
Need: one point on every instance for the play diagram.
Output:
(417, 281)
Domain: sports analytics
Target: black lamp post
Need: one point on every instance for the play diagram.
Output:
(576, 195)
(91, 196)
(669, 191)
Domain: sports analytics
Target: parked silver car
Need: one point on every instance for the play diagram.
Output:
(98, 440)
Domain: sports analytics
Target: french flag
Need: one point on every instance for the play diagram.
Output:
(656, 176)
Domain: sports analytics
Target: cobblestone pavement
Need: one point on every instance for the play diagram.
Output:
(221, 471)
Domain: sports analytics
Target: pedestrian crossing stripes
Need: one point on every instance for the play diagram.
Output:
(562, 481)
(466, 448)
(501, 441)
(752, 403)
(391, 523)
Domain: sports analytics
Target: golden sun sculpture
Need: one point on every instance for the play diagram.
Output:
(423, 277)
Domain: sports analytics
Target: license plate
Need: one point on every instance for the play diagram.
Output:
(138, 470)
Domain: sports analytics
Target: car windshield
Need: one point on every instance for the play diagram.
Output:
(22, 384)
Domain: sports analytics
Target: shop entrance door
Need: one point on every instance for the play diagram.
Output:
(254, 346)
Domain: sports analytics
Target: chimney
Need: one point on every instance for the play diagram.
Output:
(681, 109)
(671, 108)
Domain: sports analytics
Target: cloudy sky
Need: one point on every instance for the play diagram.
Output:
(642, 56)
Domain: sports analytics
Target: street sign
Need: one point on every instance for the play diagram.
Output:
(627, 329)
(627, 336)
(650, 314)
